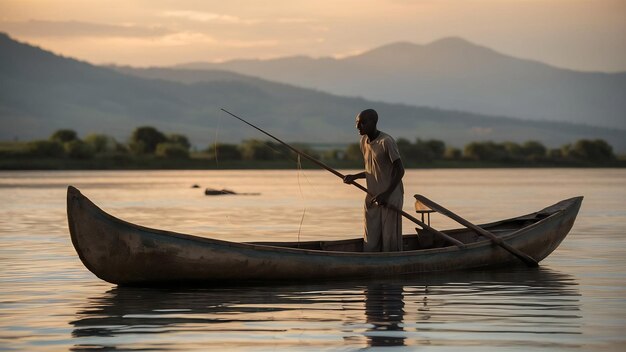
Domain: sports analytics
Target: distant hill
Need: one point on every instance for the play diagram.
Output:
(42, 92)
(453, 74)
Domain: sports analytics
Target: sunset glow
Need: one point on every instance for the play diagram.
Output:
(578, 34)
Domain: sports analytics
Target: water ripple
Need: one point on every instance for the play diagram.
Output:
(441, 310)
(49, 301)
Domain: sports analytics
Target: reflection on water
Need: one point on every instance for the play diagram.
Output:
(538, 307)
(384, 309)
(49, 301)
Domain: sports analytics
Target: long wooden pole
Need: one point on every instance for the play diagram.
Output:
(530, 261)
(357, 185)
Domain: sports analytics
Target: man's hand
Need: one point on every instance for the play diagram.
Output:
(349, 178)
(381, 199)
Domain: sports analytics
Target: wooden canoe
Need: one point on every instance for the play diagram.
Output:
(127, 254)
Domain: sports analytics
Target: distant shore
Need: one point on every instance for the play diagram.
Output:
(7, 164)
(151, 149)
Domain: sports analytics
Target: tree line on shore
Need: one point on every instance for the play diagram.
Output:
(148, 142)
(65, 143)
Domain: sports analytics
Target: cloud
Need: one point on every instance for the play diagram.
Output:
(250, 43)
(295, 20)
(217, 18)
(200, 16)
(39, 28)
(184, 38)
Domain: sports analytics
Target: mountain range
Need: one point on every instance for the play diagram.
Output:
(453, 73)
(42, 92)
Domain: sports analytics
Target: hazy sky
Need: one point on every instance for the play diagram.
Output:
(578, 34)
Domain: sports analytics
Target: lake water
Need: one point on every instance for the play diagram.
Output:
(576, 300)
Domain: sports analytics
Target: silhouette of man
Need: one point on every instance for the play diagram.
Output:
(383, 176)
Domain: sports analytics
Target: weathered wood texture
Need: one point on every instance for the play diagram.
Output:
(124, 253)
(528, 260)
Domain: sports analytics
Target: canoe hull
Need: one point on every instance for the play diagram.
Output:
(124, 253)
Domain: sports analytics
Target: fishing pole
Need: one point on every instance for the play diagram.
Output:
(340, 175)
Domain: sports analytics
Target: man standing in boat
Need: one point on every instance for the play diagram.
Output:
(383, 176)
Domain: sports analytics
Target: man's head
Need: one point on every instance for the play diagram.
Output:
(366, 122)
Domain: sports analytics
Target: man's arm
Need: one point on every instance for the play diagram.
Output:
(350, 178)
(397, 172)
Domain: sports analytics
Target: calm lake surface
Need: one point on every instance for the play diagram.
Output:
(576, 300)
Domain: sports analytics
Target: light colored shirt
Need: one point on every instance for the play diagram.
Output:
(379, 156)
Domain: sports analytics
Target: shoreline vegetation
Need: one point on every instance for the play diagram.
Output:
(150, 149)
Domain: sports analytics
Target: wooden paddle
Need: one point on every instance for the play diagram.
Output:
(530, 261)
(357, 185)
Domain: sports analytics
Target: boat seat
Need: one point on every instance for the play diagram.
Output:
(422, 209)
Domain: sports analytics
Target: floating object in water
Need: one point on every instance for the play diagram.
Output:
(220, 192)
